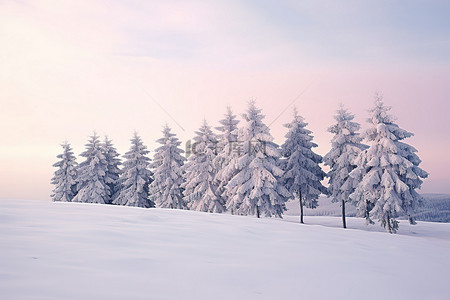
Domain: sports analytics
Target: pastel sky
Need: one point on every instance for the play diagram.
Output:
(68, 68)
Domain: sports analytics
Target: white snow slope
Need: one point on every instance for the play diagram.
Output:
(92, 251)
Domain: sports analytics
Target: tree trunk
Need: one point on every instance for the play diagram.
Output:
(387, 224)
(257, 211)
(367, 214)
(344, 224)
(301, 208)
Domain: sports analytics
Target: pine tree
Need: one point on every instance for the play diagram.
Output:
(256, 188)
(165, 190)
(388, 172)
(65, 176)
(136, 177)
(200, 190)
(302, 173)
(92, 187)
(345, 148)
(112, 163)
(227, 143)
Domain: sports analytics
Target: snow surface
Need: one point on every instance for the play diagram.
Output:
(93, 251)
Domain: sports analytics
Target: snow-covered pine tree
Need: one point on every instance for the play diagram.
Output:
(91, 186)
(135, 177)
(302, 172)
(113, 163)
(65, 176)
(227, 142)
(167, 167)
(256, 188)
(200, 190)
(345, 147)
(388, 172)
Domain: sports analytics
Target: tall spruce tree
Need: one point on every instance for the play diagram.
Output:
(226, 146)
(92, 187)
(64, 178)
(256, 188)
(302, 172)
(345, 147)
(167, 166)
(200, 190)
(388, 172)
(136, 177)
(112, 165)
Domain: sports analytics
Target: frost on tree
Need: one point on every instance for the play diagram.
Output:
(302, 173)
(112, 166)
(226, 146)
(165, 190)
(65, 176)
(92, 187)
(345, 148)
(256, 188)
(200, 190)
(136, 177)
(388, 172)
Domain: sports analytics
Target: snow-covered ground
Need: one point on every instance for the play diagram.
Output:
(89, 251)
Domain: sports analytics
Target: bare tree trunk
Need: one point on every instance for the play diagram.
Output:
(367, 214)
(301, 208)
(344, 224)
(257, 211)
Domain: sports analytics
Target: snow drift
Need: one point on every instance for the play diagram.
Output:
(91, 251)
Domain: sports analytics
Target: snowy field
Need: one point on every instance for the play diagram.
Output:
(88, 251)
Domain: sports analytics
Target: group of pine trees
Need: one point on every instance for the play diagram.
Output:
(243, 171)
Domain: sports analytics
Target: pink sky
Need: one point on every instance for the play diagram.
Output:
(69, 68)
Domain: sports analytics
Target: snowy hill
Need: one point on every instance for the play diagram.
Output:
(91, 251)
(436, 208)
